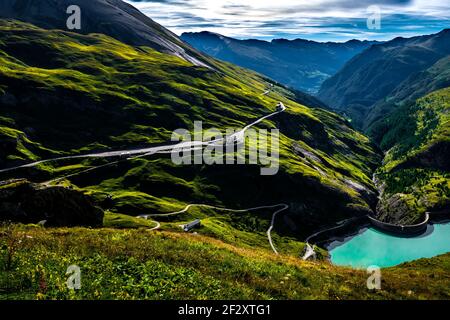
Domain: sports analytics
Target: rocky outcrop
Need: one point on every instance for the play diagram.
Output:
(22, 201)
(398, 209)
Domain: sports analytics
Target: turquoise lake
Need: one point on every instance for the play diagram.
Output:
(372, 247)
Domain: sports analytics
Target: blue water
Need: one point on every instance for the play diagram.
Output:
(372, 247)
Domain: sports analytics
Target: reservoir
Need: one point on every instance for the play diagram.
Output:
(372, 247)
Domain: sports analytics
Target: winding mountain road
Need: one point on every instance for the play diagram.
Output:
(237, 137)
(269, 231)
(309, 250)
(158, 225)
(282, 205)
(268, 90)
(339, 224)
(182, 146)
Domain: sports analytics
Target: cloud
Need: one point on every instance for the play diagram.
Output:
(317, 20)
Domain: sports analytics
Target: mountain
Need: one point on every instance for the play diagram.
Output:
(79, 94)
(115, 18)
(299, 64)
(398, 93)
(385, 74)
(414, 87)
(81, 114)
(415, 176)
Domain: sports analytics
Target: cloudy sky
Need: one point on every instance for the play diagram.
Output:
(322, 20)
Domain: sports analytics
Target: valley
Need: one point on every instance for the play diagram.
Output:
(335, 173)
(90, 123)
(300, 64)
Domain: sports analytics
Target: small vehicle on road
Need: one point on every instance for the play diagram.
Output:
(194, 224)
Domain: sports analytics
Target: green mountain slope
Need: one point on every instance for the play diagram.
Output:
(114, 18)
(82, 93)
(416, 170)
(391, 91)
(377, 74)
(416, 86)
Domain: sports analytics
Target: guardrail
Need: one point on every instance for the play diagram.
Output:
(326, 235)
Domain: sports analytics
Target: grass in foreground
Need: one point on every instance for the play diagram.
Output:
(138, 264)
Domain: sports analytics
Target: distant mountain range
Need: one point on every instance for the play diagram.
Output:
(385, 75)
(300, 64)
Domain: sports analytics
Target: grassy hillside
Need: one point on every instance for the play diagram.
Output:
(164, 265)
(380, 74)
(81, 93)
(392, 92)
(115, 18)
(416, 86)
(416, 170)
